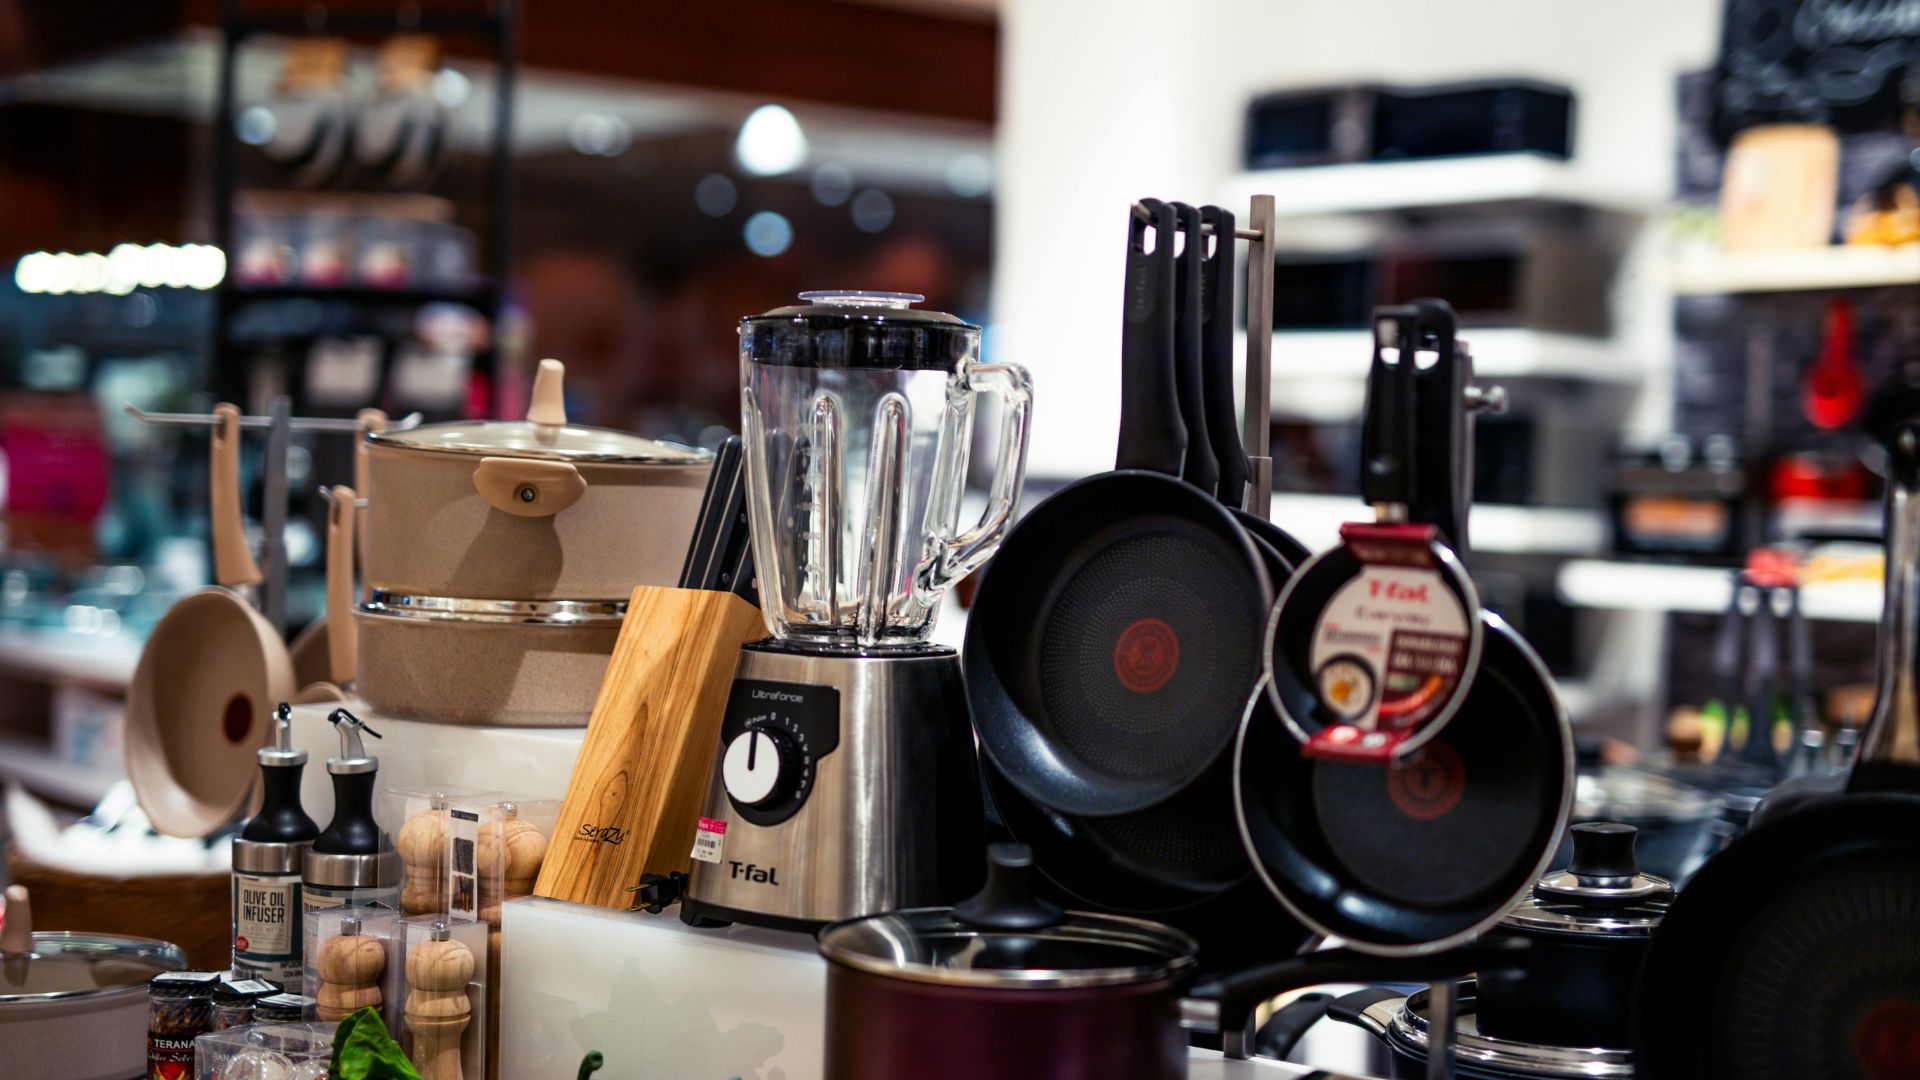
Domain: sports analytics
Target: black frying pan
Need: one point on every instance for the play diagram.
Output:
(1426, 851)
(1327, 666)
(1216, 367)
(1111, 640)
(1795, 952)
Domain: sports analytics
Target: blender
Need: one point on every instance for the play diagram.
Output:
(845, 781)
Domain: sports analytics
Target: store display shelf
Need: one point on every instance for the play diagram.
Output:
(360, 294)
(1498, 528)
(1811, 270)
(58, 656)
(1375, 187)
(43, 772)
(1627, 586)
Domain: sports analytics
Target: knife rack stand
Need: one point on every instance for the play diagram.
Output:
(279, 424)
(1256, 424)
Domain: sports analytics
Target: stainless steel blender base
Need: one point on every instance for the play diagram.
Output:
(876, 801)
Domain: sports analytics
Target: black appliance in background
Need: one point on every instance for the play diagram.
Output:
(1537, 273)
(1375, 122)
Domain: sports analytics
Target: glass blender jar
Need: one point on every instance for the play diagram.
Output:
(858, 417)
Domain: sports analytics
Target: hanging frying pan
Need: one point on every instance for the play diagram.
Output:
(400, 132)
(1111, 640)
(1794, 952)
(1428, 850)
(1184, 849)
(1216, 366)
(208, 679)
(1374, 642)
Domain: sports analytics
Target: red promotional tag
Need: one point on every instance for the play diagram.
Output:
(1389, 649)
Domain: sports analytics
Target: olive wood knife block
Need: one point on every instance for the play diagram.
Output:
(644, 766)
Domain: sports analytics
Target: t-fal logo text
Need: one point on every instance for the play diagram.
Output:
(759, 875)
(1395, 590)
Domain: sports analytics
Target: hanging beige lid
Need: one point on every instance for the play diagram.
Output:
(545, 433)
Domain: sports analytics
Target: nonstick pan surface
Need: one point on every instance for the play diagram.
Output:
(1421, 854)
(1795, 952)
(1115, 634)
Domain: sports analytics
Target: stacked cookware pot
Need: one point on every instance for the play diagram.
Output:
(500, 556)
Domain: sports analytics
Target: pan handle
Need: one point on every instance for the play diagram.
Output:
(525, 487)
(343, 652)
(233, 564)
(1216, 362)
(1152, 436)
(1890, 746)
(956, 556)
(1199, 468)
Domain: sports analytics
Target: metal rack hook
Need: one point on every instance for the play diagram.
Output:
(1140, 211)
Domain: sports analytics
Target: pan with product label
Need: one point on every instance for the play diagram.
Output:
(1374, 642)
(1420, 852)
(1113, 640)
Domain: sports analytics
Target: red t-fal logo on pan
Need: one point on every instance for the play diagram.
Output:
(1397, 591)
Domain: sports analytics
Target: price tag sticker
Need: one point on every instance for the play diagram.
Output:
(709, 838)
(1389, 649)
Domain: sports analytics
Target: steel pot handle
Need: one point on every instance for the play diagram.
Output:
(952, 557)
(1225, 1003)
(525, 487)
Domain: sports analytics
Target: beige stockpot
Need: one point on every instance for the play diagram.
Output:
(500, 555)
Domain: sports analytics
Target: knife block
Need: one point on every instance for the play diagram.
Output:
(644, 766)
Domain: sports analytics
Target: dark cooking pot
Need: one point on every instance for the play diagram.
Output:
(1589, 926)
(1006, 984)
(1401, 1021)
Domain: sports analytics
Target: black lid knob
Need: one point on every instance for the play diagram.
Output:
(1603, 853)
(1007, 902)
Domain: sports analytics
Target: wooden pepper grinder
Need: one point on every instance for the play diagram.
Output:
(437, 1012)
(350, 965)
(422, 844)
(510, 851)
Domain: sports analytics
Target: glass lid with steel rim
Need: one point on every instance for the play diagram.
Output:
(62, 966)
(545, 433)
(1006, 937)
(1601, 892)
(1406, 1022)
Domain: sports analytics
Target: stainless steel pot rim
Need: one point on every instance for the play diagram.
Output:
(1633, 922)
(526, 439)
(1405, 1023)
(519, 612)
(1179, 954)
(162, 954)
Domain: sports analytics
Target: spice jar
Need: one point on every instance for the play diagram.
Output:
(233, 1002)
(179, 1007)
(283, 1009)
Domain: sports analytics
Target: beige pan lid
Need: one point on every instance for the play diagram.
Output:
(524, 438)
(201, 703)
(545, 433)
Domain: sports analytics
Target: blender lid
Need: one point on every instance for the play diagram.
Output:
(1602, 892)
(1083, 949)
(858, 328)
(527, 439)
(64, 965)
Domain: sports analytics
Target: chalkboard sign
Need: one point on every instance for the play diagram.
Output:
(1839, 62)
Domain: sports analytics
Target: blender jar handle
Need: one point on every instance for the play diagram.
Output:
(958, 556)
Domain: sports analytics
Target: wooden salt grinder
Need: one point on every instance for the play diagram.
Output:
(510, 852)
(350, 965)
(437, 1011)
(422, 844)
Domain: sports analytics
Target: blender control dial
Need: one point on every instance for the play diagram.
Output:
(762, 766)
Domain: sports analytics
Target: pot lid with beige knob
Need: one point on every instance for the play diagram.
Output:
(544, 434)
(62, 966)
